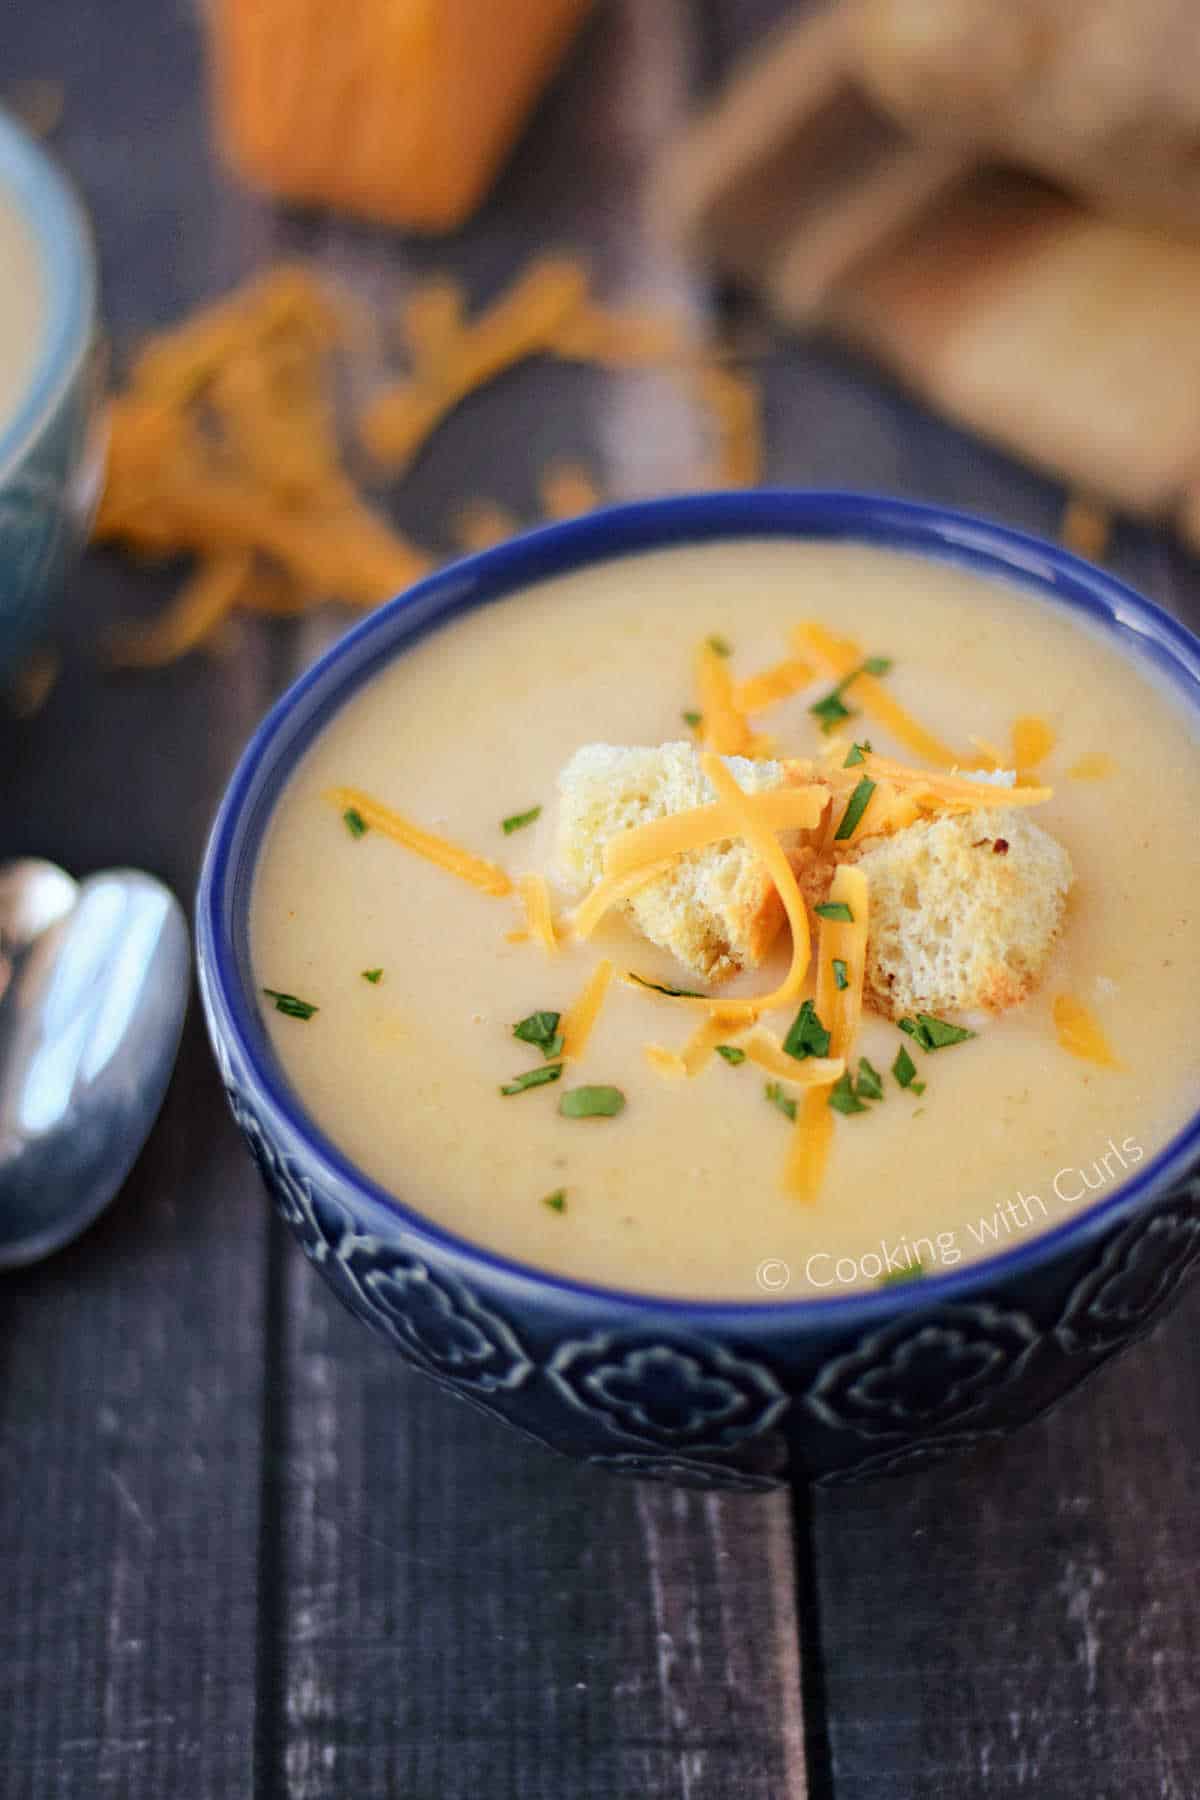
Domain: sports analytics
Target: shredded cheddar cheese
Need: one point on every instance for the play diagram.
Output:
(225, 440)
(224, 445)
(777, 809)
(954, 793)
(1032, 741)
(1086, 528)
(1079, 1032)
(481, 523)
(710, 1032)
(577, 1022)
(205, 600)
(1093, 765)
(610, 892)
(628, 339)
(770, 686)
(697, 1052)
(807, 1072)
(284, 307)
(732, 402)
(535, 897)
(524, 320)
(987, 758)
(839, 1010)
(808, 1154)
(768, 848)
(477, 870)
(432, 323)
(722, 727)
(745, 820)
(33, 683)
(566, 490)
(841, 657)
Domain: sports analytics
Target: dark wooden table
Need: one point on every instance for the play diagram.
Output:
(242, 1550)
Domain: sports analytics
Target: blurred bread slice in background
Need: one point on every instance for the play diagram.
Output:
(795, 173)
(1102, 96)
(1071, 340)
(838, 176)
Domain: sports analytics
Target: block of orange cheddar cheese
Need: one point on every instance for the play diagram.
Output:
(396, 110)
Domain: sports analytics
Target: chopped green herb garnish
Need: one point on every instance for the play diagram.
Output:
(557, 1201)
(940, 1033)
(288, 1003)
(830, 710)
(659, 987)
(694, 719)
(778, 1096)
(858, 753)
(856, 806)
(541, 1030)
(834, 909)
(869, 1085)
(355, 824)
(894, 1277)
(515, 821)
(591, 1103)
(533, 1078)
(904, 1068)
(374, 976)
(842, 1096)
(731, 1053)
(807, 1037)
(720, 646)
(934, 1034)
(917, 1087)
(841, 979)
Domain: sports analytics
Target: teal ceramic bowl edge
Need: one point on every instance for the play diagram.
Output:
(51, 446)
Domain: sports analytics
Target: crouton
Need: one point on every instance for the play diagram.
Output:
(716, 910)
(965, 910)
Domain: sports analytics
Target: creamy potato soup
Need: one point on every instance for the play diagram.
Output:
(21, 308)
(395, 984)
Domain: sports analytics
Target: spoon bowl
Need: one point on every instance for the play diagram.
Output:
(94, 982)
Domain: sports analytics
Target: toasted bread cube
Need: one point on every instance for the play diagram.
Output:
(716, 910)
(965, 910)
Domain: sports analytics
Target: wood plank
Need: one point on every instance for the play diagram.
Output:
(467, 1614)
(1021, 1622)
(463, 1613)
(130, 1411)
(131, 1369)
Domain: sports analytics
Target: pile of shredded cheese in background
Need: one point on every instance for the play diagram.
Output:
(225, 447)
(224, 442)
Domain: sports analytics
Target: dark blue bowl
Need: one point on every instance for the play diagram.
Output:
(720, 1395)
(51, 447)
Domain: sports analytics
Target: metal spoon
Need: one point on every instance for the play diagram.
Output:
(94, 983)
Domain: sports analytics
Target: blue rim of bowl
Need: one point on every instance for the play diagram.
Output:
(62, 240)
(490, 576)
